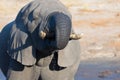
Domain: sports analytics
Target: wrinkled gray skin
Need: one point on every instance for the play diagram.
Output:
(24, 55)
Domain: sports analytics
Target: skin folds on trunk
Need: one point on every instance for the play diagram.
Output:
(59, 27)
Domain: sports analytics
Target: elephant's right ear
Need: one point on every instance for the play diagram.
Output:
(20, 46)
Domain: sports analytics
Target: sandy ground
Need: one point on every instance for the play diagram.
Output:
(99, 20)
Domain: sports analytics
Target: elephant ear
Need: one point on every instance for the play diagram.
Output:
(20, 46)
(70, 54)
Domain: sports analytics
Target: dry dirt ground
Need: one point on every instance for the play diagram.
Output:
(99, 20)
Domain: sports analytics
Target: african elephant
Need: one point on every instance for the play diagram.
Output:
(25, 55)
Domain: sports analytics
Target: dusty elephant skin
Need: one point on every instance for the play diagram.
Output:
(24, 55)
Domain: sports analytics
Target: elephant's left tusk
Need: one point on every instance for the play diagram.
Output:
(76, 36)
(42, 34)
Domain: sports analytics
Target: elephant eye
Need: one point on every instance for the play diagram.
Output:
(30, 17)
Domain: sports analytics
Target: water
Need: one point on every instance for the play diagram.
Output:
(91, 70)
(99, 70)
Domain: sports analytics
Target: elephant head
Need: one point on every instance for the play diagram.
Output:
(58, 30)
(55, 23)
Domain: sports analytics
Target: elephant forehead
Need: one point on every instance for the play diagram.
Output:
(40, 9)
(37, 12)
(55, 6)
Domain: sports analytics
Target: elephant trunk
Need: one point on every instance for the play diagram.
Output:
(62, 30)
(59, 30)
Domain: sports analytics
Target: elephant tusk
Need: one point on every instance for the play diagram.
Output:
(42, 34)
(74, 36)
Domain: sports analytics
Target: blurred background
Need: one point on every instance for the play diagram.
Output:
(99, 20)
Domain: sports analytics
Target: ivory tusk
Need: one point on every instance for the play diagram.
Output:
(76, 36)
(73, 36)
(42, 34)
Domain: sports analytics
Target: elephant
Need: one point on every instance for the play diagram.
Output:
(26, 55)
